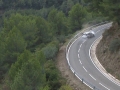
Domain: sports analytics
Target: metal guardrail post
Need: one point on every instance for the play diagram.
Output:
(82, 80)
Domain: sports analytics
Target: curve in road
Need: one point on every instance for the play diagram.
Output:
(81, 64)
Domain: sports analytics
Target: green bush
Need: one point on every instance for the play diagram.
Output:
(114, 45)
(52, 75)
(61, 39)
(50, 50)
(65, 87)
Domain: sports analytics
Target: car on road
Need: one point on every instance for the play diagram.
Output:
(88, 34)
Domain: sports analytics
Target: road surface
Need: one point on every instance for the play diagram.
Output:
(81, 63)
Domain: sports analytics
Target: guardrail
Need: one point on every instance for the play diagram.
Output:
(67, 48)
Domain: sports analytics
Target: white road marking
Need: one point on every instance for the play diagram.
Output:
(104, 86)
(80, 61)
(79, 50)
(80, 46)
(78, 56)
(83, 41)
(67, 56)
(117, 83)
(92, 77)
(99, 30)
(85, 68)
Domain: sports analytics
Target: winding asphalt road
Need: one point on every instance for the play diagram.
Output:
(80, 61)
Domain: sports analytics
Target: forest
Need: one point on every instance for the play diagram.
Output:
(31, 32)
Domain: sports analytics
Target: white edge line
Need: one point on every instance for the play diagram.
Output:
(72, 68)
(97, 67)
(83, 81)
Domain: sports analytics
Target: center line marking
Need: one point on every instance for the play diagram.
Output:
(80, 61)
(79, 50)
(84, 68)
(104, 86)
(92, 76)
(78, 56)
(81, 45)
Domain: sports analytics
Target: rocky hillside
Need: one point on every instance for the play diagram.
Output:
(108, 50)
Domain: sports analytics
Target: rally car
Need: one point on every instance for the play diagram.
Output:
(88, 34)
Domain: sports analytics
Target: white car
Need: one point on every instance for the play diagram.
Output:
(88, 34)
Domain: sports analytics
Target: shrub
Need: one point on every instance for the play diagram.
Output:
(61, 39)
(114, 45)
(50, 50)
(65, 87)
(52, 75)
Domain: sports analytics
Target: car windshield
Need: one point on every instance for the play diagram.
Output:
(92, 32)
(86, 33)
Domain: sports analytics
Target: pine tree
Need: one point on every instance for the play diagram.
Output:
(76, 15)
(30, 77)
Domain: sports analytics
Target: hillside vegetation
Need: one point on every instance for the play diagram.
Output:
(31, 33)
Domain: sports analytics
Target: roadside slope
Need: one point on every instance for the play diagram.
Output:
(108, 50)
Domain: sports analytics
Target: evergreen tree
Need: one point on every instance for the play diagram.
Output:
(110, 8)
(15, 41)
(15, 67)
(1, 3)
(30, 77)
(42, 32)
(26, 25)
(76, 16)
(58, 22)
(11, 46)
(66, 6)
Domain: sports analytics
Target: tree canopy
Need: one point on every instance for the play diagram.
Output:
(76, 15)
(110, 8)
